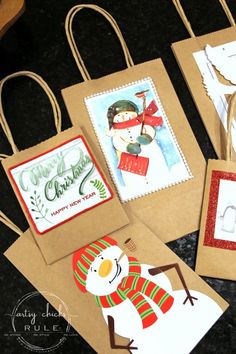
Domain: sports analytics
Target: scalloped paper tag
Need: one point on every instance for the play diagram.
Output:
(130, 124)
(60, 184)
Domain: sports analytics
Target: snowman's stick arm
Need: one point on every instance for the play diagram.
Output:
(158, 270)
(111, 326)
(143, 118)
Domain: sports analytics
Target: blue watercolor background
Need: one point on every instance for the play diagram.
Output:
(98, 107)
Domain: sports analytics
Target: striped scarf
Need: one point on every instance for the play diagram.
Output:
(133, 287)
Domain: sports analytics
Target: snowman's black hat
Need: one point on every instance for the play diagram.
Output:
(120, 106)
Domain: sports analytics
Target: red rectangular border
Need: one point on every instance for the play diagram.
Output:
(44, 153)
(209, 239)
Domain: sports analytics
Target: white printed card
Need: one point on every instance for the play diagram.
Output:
(59, 184)
(137, 140)
(216, 63)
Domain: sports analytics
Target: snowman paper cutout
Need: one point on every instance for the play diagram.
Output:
(138, 303)
(133, 137)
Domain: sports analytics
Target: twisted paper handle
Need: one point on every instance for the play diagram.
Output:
(3, 156)
(183, 17)
(5, 220)
(227, 12)
(187, 24)
(70, 37)
(231, 113)
(45, 87)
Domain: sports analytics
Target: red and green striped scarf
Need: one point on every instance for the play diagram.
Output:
(133, 287)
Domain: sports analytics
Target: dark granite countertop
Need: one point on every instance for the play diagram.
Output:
(37, 42)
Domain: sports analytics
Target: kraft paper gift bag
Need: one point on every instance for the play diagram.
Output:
(61, 187)
(216, 256)
(208, 66)
(139, 132)
(124, 295)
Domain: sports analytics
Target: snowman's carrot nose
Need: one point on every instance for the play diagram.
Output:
(105, 268)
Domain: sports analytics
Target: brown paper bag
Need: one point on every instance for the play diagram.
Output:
(135, 113)
(208, 70)
(61, 188)
(216, 255)
(119, 270)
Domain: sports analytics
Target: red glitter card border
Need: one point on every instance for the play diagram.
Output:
(209, 239)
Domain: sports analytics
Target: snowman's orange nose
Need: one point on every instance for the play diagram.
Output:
(105, 268)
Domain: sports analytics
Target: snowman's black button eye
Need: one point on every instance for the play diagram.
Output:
(95, 270)
(102, 258)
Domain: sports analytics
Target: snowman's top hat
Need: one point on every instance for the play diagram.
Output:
(84, 257)
(118, 107)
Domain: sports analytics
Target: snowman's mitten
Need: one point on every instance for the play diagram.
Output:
(144, 139)
(133, 148)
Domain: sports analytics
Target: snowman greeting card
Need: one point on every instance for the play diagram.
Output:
(137, 140)
(142, 138)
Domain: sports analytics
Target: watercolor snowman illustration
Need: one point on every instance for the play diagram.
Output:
(140, 159)
(137, 301)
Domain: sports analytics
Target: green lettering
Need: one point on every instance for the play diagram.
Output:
(58, 191)
(84, 180)
(48, 187)
(61, 165)
(21, 181)
(56, 188)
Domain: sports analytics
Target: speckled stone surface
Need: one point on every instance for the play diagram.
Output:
(37, 42)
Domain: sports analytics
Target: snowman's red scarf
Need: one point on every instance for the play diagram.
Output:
(149, 119)
(132, 287)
